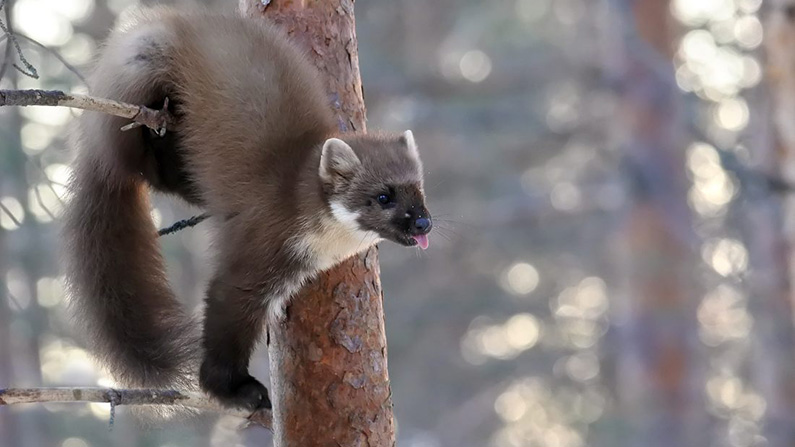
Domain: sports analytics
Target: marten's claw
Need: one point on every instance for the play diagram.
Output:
(235, 390)
(251, 395)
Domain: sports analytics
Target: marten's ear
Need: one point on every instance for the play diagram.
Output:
(337, 161)
(408, 138)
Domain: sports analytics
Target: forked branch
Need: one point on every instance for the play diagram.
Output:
(157, 120)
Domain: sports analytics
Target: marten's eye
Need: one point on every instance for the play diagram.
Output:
(384, 199)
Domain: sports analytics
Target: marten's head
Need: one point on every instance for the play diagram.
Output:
(374, 184)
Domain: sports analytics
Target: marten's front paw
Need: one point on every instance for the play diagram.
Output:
(249, 394)
(234, 389)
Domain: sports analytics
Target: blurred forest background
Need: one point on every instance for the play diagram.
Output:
(614, 261)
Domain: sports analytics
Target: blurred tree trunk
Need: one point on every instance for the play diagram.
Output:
(329, 380)
(16, 429)
(655, 324)
(8, 420)
(777, 384)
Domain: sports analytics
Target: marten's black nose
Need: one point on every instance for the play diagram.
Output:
(422, 225)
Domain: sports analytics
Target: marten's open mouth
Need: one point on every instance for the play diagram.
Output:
(421, 240)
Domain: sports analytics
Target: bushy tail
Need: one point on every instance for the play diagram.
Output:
(118, 285)
(115, 272)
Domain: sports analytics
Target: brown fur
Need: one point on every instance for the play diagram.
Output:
(253, 118)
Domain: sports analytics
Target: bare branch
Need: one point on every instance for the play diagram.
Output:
(44, 207)
(157, 120)
(55, 53)
(10, 215)
(12, 40)
(49, 182)
(183, 224)
(9, 47)
(13, 300)
(198, 401)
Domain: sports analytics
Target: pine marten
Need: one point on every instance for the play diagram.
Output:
(257, 146)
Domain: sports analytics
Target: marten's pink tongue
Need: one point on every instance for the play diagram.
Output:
(422, 241)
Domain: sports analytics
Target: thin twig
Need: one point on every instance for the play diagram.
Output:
(198, 401)
(157, 120)
(10, 215)
(12, 40)
(57, 55)
(7, 54)
(183, 224)
(39, 200)
(13, 300)
(49, 182)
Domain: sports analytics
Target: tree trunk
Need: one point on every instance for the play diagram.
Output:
(16, 428)
(654, 323)
(777, 388)
(329, 380)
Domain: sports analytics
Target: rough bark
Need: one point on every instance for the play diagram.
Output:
(329, 380)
